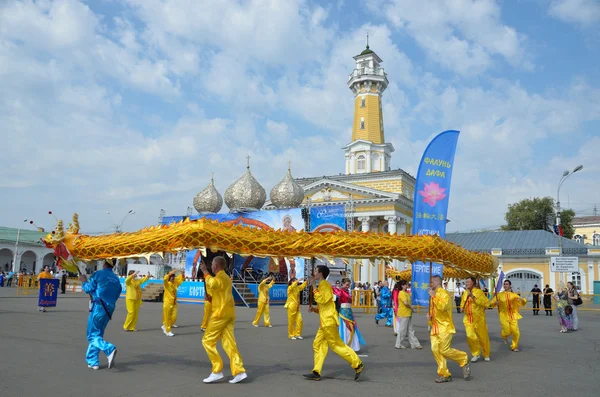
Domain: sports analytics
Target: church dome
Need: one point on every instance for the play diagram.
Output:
(287, 193)
(244, 193)
(208, 200)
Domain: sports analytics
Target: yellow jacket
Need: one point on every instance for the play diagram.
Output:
(44, 275)
(222, 298)
(263, 291)
(328, 315)
(133, 287)
(474, 309)
(403, 310)
(441, 313)
(508, 304)
(170, 296)
(293, 293)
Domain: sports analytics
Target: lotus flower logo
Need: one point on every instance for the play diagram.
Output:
(432, 193)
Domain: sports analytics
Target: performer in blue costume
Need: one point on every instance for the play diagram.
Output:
(104, 288)
(387, 311)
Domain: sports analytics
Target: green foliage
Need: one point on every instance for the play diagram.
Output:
(537, 214)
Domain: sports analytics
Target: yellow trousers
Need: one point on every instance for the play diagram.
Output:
(510, 327)
(207, 313)
(440, 347)
(221, 329)
(478, 338)
(294, 321)
(263, 307)
(330, 336)
(169, 316)
(133, 309)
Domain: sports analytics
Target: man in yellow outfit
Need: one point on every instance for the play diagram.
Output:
(292, 305)
(328, 334)
(221, 324)
(508, 310)
(474, 304)
(170, 301)
(133, 299)
(263, 302)
(207, 306)
(442, 331)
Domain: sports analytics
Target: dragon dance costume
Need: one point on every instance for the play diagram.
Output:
(475, 324)
(293, 309)
(387, 311)
(508, 310)
(263, 303)
(348, 328)
(133, 300)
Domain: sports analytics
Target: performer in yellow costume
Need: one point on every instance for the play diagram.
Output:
(263, 302)
(474, 303)
(293, 309)
(170, 301)
(221, 324)
(207, 306)
(328, 334)
(442, 331)
(133, 298)
(508, 309)
(44, 274)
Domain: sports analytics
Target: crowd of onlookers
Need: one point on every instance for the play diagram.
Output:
(28, 279)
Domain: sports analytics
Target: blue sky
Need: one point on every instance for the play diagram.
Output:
(111, 106)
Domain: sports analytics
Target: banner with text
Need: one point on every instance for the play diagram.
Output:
(432, 194)
(328, 218)
(48, 292)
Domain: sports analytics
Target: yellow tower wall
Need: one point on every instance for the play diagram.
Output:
(373, 117)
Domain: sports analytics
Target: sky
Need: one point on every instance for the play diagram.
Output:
(111, 106)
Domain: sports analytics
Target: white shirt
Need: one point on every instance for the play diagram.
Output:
(459, 291)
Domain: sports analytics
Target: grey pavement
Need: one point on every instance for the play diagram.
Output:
(42, 354)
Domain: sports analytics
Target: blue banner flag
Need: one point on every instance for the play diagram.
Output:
(328, 218)
(48, 292)
(432, 194)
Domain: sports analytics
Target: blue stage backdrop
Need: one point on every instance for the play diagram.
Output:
(432, 193)
(48, 292)
(327, 218)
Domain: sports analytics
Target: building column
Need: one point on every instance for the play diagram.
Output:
(590, 274)
(365, 227)
(392, 222)
(352, 163)
(368, 165)
(552, 282)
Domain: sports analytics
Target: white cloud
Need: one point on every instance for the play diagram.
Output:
(580, 12)
(463, 36)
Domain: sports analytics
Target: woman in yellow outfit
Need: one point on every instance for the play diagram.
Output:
(442, 331)
(508, 309)
(263, 302)
(293, 309)
(474, 303)
(170, 301)
(133, 299)
(221, 324)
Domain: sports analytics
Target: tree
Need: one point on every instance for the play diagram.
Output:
(537, 214)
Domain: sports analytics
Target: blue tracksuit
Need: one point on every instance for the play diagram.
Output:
(387, 310)
(102, 285)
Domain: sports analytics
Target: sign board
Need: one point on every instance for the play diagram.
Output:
(564, 264)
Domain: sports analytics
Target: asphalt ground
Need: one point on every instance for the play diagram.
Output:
(42, 354)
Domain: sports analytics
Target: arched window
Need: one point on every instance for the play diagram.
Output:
(362, 123)
(596, 239)
(578, 238)
(363, 102)
(361, 163)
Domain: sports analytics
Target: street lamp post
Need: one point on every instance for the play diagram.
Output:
(14, 266)
(564, 177)
(118, 226)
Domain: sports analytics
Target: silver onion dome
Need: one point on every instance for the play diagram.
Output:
(208, 200)
(287, 193)
(245, 193)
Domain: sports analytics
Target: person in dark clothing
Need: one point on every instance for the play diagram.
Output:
(536, 292)
(63, 283)
(548, 300)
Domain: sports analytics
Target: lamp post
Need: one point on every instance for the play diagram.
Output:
(119, 225)
(14, 266)
(564, 177)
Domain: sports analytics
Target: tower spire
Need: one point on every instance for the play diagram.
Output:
(367, 40)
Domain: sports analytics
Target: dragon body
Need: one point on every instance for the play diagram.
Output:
(204, 233)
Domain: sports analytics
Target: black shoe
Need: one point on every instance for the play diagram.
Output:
(358, 371)
(376, 321)
(314, 375)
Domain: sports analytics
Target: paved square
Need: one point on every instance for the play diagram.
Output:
(42, 354)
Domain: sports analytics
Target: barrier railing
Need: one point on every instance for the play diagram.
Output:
(26, 285)
(364, 300)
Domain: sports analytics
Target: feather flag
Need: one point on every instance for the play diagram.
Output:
(499, 283)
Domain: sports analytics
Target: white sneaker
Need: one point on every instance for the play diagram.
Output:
(255, 326)
(268, 326)
(299, 337)
(170, 334)
(487, 359)
(474, 359)
(174, 326)
(213, 377)
(164, 330)
(94, 367)
(238, 378)
(202, 329)
(111, 359)
(293, 338)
